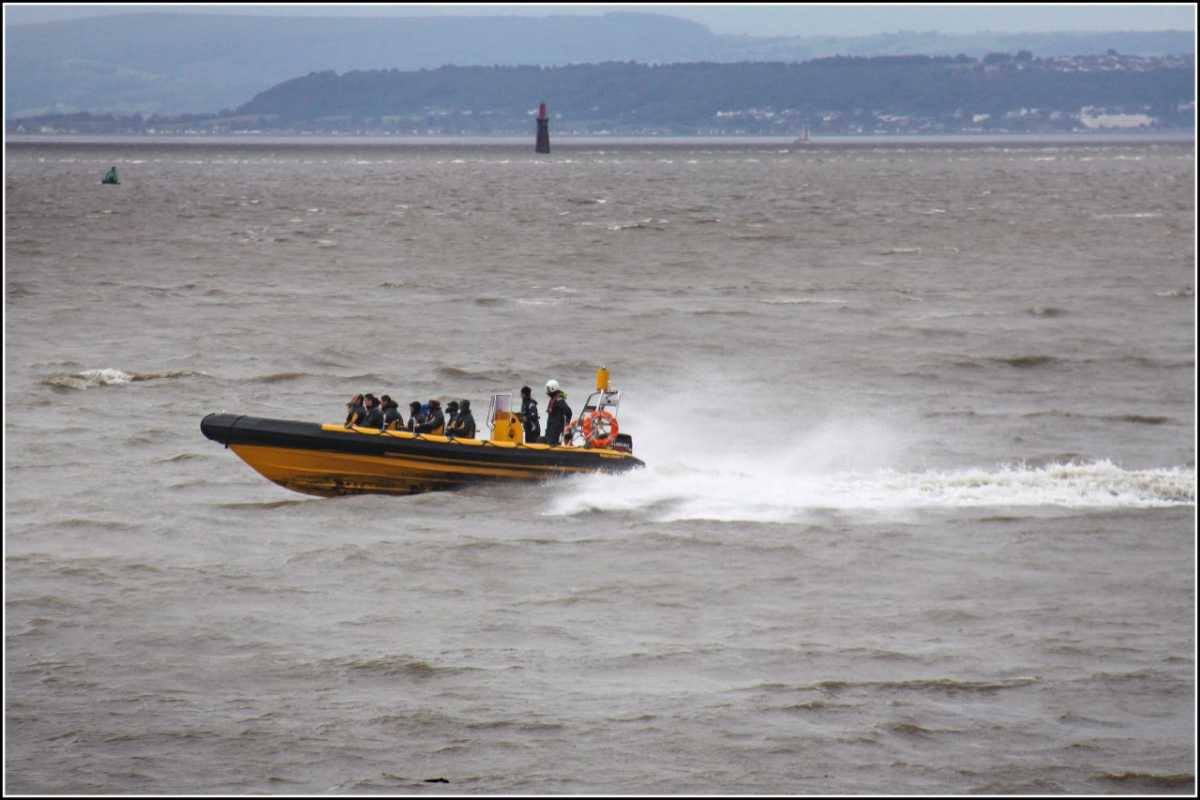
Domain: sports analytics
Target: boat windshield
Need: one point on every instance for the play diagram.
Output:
(606, 400)
(501, 404)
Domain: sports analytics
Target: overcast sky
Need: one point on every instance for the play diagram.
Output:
(757, 20)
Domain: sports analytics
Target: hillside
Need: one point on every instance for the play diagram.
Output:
(893, 94)
(171, 63)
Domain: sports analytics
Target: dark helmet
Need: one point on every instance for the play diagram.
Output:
(525, 390)
(435, 403)
(465, 405)
(387, 398)
(452, 405)
(415, 405)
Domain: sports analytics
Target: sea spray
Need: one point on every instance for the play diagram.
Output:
(728, 455)
(671, 492)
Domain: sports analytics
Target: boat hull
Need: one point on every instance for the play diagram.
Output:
(331, 460)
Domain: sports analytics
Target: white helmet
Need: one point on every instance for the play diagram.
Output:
(551, 386)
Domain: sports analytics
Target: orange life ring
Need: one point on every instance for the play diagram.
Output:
(594, 425)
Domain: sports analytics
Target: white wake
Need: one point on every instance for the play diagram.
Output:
(847, 466)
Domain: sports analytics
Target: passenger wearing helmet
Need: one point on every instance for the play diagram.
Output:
(558, 413)
(451, 414)
(463, 424)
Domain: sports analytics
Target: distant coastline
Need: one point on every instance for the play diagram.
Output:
(566, 141)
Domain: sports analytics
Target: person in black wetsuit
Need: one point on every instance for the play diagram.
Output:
(434, 421)
(414, 415)
(529, 415)
(463, 425)
(558, 413)
(451, 413)
(392, 421)
(355, 412)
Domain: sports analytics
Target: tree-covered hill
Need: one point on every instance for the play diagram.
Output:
(703, 94)
(173, 63)
(888, 94)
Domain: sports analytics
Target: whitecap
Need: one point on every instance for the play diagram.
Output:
(109, 376)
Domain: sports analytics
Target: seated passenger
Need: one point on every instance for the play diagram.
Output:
(451, 414)
(392, 421)
(434, 421)
(414, 415)
(464, 423)
(355, 411)
(374, 417)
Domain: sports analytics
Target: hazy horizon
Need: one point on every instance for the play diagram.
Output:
(764, 20)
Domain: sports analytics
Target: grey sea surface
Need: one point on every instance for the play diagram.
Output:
(918, 516)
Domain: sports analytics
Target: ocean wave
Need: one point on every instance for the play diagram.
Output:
(108, 376)
(1156, 363)
(1139, 419)
(945, 685)
(264, 506)
(949, 685)
(393, 666)
(1025, 362)
(279, 377)
(912, 729)
(1186, 291)
(517, 725)
(1040, 360)
(1136, 419)
(493, 379)
(1169, 781)
(815, 705)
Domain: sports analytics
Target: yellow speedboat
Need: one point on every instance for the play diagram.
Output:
(330, 460)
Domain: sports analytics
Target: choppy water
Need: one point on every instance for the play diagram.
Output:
(919, 515)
